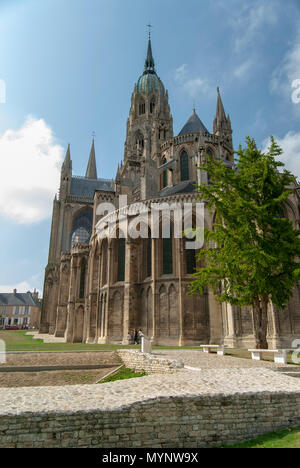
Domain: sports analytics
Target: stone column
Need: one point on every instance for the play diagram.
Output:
(231, 339)
(72, 299)
(63, 295)
(131, 309)
(109, 283)
(181, 271)
(155, 266)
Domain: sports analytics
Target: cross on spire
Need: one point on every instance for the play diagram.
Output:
(150, 27)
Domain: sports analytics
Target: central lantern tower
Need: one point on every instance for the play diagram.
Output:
(149, 125)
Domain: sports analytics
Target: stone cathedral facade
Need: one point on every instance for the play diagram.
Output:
(98, 288)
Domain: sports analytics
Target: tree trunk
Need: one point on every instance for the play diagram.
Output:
(260, 313)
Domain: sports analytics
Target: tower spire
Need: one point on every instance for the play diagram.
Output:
(91, 171)
(149, 62)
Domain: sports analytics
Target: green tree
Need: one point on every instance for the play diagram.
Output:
(251, 256)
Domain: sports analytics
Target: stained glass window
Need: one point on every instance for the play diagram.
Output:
(167, 256)
(82, 228)
(165, 179)
(184, 166)
(82, 279)
(190, 255)
(149, 256)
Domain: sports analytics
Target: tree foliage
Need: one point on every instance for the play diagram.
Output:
(252, 253)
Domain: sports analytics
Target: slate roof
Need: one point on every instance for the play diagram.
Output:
(86, 187)
(18, 299)
(183, 187)
(193, 125)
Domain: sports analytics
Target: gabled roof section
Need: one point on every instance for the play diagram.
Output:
(193, 125)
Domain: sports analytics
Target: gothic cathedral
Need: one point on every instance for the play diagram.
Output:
(98, 288)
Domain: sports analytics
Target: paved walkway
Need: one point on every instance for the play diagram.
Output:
(46, 338)
(201, 360)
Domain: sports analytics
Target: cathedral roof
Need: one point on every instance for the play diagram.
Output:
(81, 186)
(148, 82)
(193, 125)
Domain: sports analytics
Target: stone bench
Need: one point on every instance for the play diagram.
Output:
(280, 355)
(220, 349)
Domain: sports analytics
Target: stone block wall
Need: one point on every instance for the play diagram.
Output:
(148, 362)
(164, 422)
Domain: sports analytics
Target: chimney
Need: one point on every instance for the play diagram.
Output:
(15, 291)
(35, 295)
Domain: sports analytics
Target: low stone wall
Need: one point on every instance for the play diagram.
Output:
(181, 410)
(164, 423)
(149, 363)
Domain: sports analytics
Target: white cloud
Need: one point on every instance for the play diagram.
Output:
(249, 20)
(243, 70)
(287, 71)
(22, 287)
(30, 170)
(180, 73)
(290, 145)
(192, 86)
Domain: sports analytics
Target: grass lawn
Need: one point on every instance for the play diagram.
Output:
(17, 340)
(289, 438)
(123, 374)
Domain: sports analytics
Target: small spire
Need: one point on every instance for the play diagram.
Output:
(91, 171)
(68, 155)
(67, 164)
(220, 108)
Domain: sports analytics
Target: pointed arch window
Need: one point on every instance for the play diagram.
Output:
(152, 105)
(82, 227)
(139, 139)
(190, 257)
(165, 178)
(184, 166)
(167, 247)
(121, 260)
(82, 279)
(149, 255)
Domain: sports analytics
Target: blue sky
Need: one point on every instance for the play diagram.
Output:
(69, 67)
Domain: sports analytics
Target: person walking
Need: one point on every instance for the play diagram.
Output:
(136, 337)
